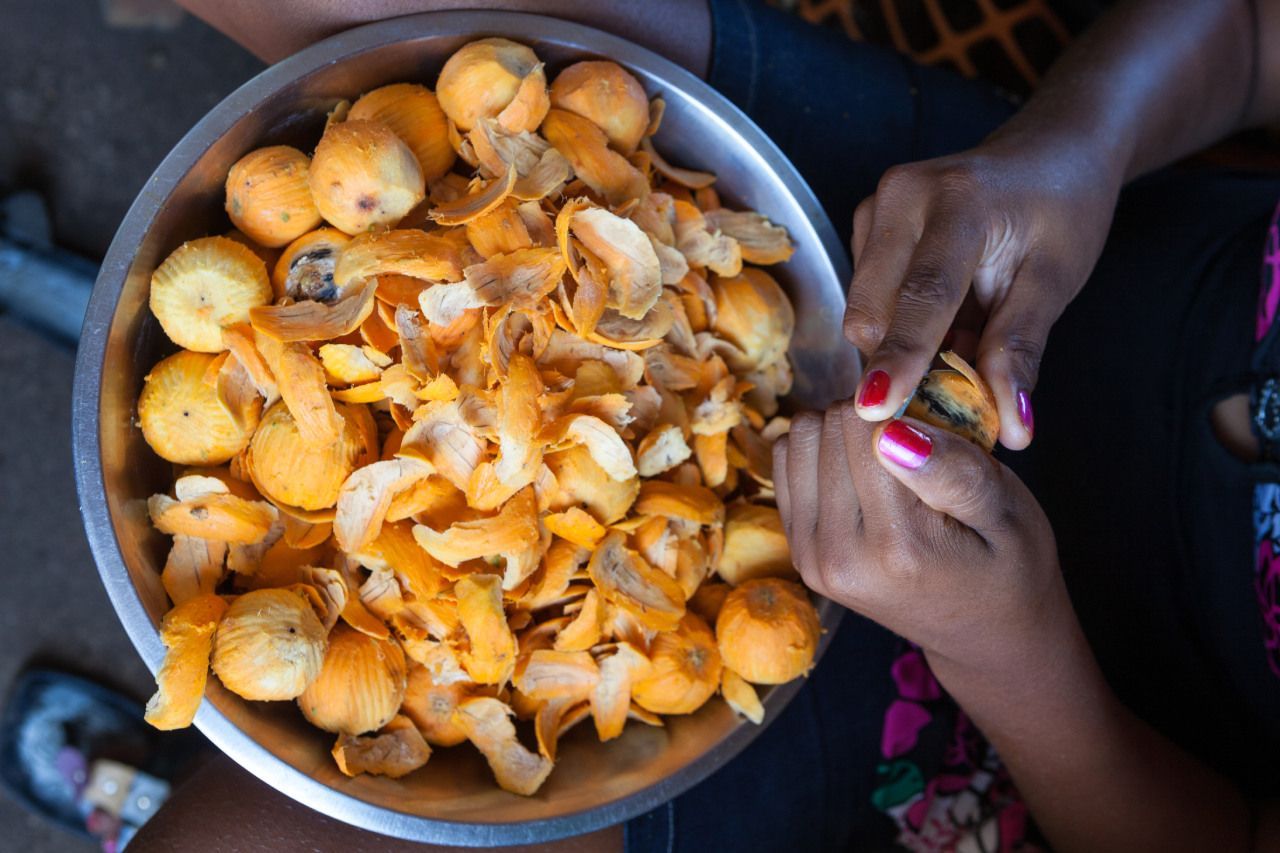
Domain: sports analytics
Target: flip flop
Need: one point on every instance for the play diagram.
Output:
(81, 755)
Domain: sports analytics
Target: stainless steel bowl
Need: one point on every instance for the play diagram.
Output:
(453, 800)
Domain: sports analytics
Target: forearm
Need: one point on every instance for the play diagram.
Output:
(680, 30)
(1150, 82)
(1095, 777)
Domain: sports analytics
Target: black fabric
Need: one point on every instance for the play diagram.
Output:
(1152, 516)
(842, 112)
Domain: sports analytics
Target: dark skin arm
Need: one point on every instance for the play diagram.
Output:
(1023, 218)
(1015, 225)
(929, 535)
(680, 30)
(953, 553)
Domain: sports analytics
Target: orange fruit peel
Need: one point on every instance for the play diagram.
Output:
(489, 439)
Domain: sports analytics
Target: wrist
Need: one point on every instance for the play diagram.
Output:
(1041, 672)
(1073, 156)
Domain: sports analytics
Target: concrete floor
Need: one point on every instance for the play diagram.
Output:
(89, 112)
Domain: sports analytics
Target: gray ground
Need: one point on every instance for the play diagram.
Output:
(89, 111)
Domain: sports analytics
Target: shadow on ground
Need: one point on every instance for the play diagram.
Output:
(89, 112)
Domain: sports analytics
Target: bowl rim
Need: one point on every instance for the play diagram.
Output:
(86, 407)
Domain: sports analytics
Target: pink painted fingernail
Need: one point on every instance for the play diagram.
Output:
(1025, 414)
(875, 388)
(904, 445)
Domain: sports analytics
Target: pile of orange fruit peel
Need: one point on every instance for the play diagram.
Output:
(471, 420)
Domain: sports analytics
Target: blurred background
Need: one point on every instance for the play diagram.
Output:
(95, 93)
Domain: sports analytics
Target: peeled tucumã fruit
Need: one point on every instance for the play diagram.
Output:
(269, 645)
(360, 686)
(269, 196)
(364, 177)
(768, 631)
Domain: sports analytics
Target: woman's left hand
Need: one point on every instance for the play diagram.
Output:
(923, 532)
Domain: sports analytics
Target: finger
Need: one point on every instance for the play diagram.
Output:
(862, 226)
(836, 533)
(839, 505)
(893, 230)
(930, 293)
(803, 443)
(948, 474)
(966, 329)
(880, 497)
(1013, 343)
(781, 491)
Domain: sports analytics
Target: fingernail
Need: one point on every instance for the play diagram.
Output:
(904, 445)
(1025, 414)
(875, 388)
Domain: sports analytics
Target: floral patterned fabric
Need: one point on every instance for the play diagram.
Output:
(1266, 521)
(941, 782)
(1266, 496)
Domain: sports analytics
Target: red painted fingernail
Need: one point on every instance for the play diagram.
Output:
(875, 387)
(904, 445)
(1025, 414)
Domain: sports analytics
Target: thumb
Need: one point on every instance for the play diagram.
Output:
(947, 473)
(1013, 343)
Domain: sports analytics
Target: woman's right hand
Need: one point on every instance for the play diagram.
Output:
(1015, 224)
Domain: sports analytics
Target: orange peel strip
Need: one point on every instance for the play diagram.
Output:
(586, 147)
(477, 203)
(585, 630)
(602, 441)
(194, 567)
(625, 579)
(416, 349)
(521, 278)
(487, 723)
(684, 177)
(316, 321)
(239, 340)
(301, 380)
(366, 496)
(577, 526)
(553, 674)
(408, 251)
(562, 561)
(635, 273)
(430, 704)
(395, 549)
(611, 699)
(692, 503)
(445, 439)
(512, 530)
(222, 517)
(491, 658)
(187, 632)
(741, 696)
(397, 750)
(761, 241)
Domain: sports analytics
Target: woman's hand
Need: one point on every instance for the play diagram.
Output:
(1015, 226)
(926, 534)
(930, 536)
